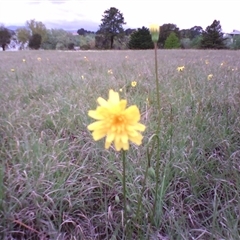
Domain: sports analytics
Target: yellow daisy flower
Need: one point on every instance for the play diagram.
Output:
(210, 76)
(134, 84)
(116, 122)
(180, 69)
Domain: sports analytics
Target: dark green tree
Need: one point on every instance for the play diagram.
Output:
(165, 31)
(5, 37)
(195, 32)
(140, 39)
(212, 37)
(172, 41)
(111, 26)
(35, 41)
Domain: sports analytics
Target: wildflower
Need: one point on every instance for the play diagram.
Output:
(110, 71)
(134, 84)
(180, 69)
(12, 70)
(24, 60)
(206, 61)
(154, 30)
(116, 122)
(39, 59)
(82, 77)
(210, 76)
(126, 56)
(120, 90)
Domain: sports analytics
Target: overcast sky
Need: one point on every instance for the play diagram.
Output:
(75, 14)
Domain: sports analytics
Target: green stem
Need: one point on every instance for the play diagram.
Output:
(157, 88)
(124, 189)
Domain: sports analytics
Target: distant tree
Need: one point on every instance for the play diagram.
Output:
(165, 31)
(213, 37)
(23, 35)
(172, 41)
(196, 42)
(235, 42)
(185, 33)
(140, 39)
(111, 26)
(81, 31)
(5, 37)
(129, 31)
(37, 28)
(195, 31)
(35, 41)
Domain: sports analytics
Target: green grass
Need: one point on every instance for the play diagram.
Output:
(57, 183)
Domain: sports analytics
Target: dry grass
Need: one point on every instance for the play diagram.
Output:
(57, 183)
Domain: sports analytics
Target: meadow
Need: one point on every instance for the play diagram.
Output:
(58, 183)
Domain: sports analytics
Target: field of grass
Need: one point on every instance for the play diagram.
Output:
(56, 182)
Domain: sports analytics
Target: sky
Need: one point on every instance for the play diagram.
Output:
(87, 14)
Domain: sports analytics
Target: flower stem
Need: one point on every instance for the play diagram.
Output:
(157, 88)
(124, 189)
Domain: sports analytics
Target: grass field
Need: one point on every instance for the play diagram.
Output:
(58, 183)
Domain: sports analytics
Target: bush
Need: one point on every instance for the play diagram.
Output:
(172, 41)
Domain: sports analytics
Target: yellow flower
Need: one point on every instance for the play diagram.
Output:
(116, 122)
(134, 84)
(120, 90)
(180, 69)
(210, 76)
(154, 31)
(12, 70)
(110, 71)
(24, 60)
(82, 77)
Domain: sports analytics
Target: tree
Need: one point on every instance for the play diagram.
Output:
(111, 26)
(213, 36)
(37, 28)
(35, 41)
(23, 35)
(5, 37)
(140, 39)
(165, 31)
(195, 32)
(172, 41)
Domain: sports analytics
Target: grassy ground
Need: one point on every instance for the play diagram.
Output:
(57, 183)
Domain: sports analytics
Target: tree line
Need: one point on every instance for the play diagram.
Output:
(111, 34)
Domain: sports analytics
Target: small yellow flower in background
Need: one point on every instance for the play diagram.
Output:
(210, 76)
(82, 77)
(12, 70)
(120, 90)
(116, 122)
(154, 31)
(24, 60)
(206, 61)
(180, 69)
(39, 59)
(110, 71)
(134, 84)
